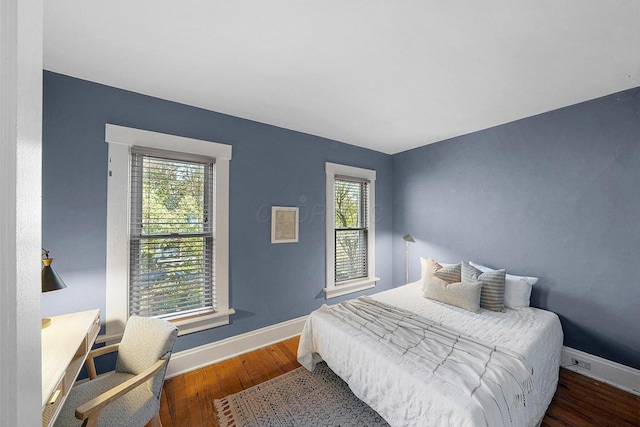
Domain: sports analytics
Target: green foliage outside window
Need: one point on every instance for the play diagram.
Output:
(351, 231)
(172, 274)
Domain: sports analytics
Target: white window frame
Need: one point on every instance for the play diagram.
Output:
(120, 140)
(332, 290)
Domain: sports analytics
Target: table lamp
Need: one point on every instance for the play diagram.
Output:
(50, 280)
(407, 238)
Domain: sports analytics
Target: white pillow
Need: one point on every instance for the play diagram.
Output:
(517, 291)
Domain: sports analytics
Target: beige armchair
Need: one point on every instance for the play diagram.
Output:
(130, 395)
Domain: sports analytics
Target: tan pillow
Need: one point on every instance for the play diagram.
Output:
(424, 262)
(429, 266)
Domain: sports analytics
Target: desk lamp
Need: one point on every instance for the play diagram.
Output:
(50, 280)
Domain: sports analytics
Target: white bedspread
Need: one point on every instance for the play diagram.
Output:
(404, 392)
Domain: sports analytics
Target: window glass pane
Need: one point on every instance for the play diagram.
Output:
(173, 197)
(349, 201)
(172, 275)
(351, 229)
(351, 254)
(172, 241)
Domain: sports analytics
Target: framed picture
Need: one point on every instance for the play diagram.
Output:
(284, 224)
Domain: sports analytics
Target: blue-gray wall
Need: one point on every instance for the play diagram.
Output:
(555, 196)
(270, 166)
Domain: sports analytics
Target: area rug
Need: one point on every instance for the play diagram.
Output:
(297, 399)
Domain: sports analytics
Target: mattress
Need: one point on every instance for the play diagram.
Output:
(403, 393)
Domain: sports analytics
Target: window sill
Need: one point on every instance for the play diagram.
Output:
(185, 326)
(350, 287)
(190, 325)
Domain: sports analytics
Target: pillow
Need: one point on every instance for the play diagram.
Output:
(463, 295)
(424, 264)
(493, 284)
(517, 291)
(451, 272)
(429, 265)
(442, 283)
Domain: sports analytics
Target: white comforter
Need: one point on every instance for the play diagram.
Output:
(406, 394)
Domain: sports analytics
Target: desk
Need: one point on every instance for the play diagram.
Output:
(65, 345)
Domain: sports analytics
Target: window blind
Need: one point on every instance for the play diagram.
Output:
(351, 228)
(172, 238)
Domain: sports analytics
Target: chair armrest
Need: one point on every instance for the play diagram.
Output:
(91, 366)
(103, 350)
(93, 407)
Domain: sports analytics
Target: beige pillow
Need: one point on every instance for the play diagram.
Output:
(463, 295)
(444, 284)
(426, 264)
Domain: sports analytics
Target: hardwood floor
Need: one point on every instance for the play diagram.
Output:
(187, 400)
(582, 401)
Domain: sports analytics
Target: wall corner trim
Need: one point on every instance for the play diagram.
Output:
(204, 355)
(612, 373)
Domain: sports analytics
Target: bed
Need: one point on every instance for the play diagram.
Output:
(407, 392)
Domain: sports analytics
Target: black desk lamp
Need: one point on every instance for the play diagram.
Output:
(50, 280)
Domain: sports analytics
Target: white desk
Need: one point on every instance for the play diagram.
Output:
(65, 345)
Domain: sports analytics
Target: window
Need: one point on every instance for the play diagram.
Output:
(171, 241)
(350, 229)
(167, 230)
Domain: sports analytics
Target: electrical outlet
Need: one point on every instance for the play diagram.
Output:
(581, 363)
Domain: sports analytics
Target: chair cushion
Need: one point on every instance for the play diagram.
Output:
(133, 409)
(145, 341)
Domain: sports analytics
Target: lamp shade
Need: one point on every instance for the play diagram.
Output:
(50, 279)
(407, 238)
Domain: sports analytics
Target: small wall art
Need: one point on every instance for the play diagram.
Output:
(284, 224)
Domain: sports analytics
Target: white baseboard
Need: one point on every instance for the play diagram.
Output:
(615, 374)
(198, 357)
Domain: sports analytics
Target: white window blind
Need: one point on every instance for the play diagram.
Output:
(172, 239)
(351, 228)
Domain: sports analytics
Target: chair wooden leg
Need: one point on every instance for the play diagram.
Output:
(90, 422)
(91, 368)
(155, 421)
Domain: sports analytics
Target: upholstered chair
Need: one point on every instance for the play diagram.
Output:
(130, 395)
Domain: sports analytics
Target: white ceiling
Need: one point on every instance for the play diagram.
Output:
(389, 75)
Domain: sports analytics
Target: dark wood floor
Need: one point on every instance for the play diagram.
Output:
(187, 399)
(582, 401)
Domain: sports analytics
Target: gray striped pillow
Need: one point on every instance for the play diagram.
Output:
(450, 273)
(492, 296)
